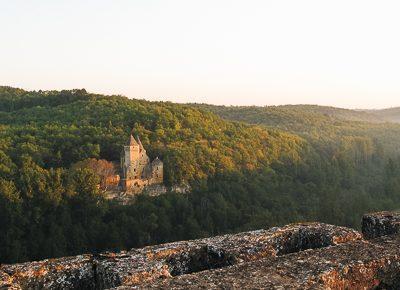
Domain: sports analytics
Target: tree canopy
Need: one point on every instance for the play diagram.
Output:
(248, 168)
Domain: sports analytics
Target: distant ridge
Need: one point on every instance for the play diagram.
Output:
(389, 115)
(327, 111)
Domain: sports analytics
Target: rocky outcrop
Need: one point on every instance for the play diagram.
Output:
(154, 263)
(380, 224)
(297, 256)
(7, 282)
(355, 265)
(64, 273)
(163, 261)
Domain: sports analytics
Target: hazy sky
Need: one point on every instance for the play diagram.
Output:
(341, 53)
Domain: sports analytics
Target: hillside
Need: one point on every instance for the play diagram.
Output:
(320, 125)
(45, 199)
(389, 115)
(298, 112)
(296, 165)
(68, 126)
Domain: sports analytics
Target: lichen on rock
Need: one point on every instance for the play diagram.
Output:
(63, 273)
(297, 256)
(379, 224)
(354, 265)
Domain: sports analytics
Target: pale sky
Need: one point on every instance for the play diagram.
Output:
(342, 53)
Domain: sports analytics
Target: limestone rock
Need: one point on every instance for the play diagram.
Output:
(151, 263)
(160, 262)
(64, 273)
(380, 224)
(354, 265)
(7, 282)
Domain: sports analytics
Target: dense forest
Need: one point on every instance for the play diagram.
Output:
(248, 167)
(324, 127)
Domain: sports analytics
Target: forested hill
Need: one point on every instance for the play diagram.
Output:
(287, 166)
(50, 208)
(60, 128)
(281, 113)
(318, 124)
(390, 115)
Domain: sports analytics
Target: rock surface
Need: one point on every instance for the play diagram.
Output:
(355, 265)
(297, 256)
(6, 282)
(163, 261)
(64, 273)
(153, 263)
(379, 224)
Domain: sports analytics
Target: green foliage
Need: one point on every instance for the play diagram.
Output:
(298, 164)
(327, 129)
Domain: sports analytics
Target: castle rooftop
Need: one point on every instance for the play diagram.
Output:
(132, 141)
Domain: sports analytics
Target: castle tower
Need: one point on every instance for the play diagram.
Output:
(130, 157)
(137, 170)
(141, 148)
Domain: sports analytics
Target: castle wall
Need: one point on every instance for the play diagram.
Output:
(157, 174)
(110, 182)
(142, 164)
(134, 185)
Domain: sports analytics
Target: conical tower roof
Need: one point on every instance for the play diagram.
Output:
(132, 141)
(140, 142)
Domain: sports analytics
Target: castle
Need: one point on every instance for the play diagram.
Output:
(137, 171)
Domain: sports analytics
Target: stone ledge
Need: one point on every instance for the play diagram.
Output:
(179, 258)
(155, 263)
(355, 265)
(63, 273)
